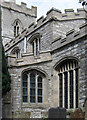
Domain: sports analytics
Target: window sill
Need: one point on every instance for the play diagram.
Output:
(34, 105)
(37, 57)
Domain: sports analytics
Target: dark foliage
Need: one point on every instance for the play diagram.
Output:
(6, 79)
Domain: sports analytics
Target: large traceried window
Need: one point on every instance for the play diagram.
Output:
(33, 84)
(68, 71)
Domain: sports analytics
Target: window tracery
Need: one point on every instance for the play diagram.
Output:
(68, 84)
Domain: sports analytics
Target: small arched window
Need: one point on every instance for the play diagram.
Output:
(68, 84)
(18, 26)
(16, 29)
(35, 44)
(16, 52)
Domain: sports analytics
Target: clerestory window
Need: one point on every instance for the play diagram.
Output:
(36, 46)
(32, 87)
(68, 84)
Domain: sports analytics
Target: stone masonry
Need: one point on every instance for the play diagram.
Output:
(63, 36)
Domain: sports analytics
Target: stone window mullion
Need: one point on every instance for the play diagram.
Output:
(74, 90)
(29, 88)
(63, 92)
(36, 89)
(35, 47)
(38, 45)
(58, 91)
(68, 91)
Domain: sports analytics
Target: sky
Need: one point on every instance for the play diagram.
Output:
(45, 5)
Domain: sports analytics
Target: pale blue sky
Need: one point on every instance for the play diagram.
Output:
(44, 5)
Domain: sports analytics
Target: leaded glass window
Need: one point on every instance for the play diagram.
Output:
(39, 81)
(32, 88)
(25, 87)
(36, 46)
(35, 88)
(68, 84)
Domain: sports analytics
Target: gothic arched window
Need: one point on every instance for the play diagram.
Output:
(35, 82)
(68, 84)
(16, 52)
(16, 28)
(35, 44)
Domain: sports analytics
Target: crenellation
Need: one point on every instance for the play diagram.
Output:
(64, 15)
(44, 19)
(76, 14)
(69, 11)
(23, 5)
(54, 13)
(34, 11)
(31, 25)
(83, 25)
(70, 32)
(20, 8)
(40, 20)
(24, 30)
(76, 33)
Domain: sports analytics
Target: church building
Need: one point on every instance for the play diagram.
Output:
(47, 58)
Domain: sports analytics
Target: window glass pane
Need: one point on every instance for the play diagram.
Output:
(32, 87)
(25, 87)
(32, 92)
(71, 89)
(40, 79)
(39, 99)
(40, 92)
(39, 44)
(17, 30)
(36, 47)
(24, 77)
(76, 71)
(32, 78)
(24, 84)
(14, 30)
(66, 89)
(24, 91)
(60, 90)
(25, 99)
(33, 48)
(32, 99)
(39, 85)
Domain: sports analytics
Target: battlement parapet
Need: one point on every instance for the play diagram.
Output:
(20, 8)
(53, 12)
(16, 40)
(42, 21)
(69, 14)
(57, 15)
(71, 36)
